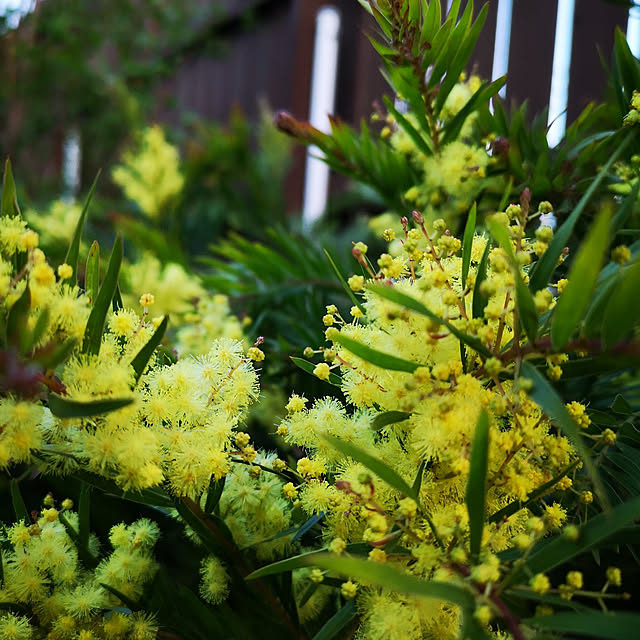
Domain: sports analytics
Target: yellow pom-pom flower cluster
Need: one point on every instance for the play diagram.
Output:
(439, 404)
(57, 597)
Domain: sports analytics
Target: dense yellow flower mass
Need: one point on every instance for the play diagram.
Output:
(440, 399)
(43, 575)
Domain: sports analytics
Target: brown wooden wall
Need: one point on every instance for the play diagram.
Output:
(273, 60)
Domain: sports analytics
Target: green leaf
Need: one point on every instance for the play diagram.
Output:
(480, 301)
(9, 205)
(17, 318)
(467, 243)
(582, 281)
(545, 267)
(54, 354)
(387, 418)
(62, 407)
(343, 281)
(392, 579)
(302, 560)
(560, 550)
(378, 358)
(422, 143)
(307, 366)
(334, 625)
(95, 324)
(524, 301)
(622, 311)
(476, 495)
(384, 472)
(214, 493)
(144, 355)
(19, 507)
(390, 293)
(92, 272)
(73, 252)
(551, 403)
(31, 339)
(593, 624)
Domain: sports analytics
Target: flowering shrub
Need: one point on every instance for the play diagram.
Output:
(478, 434)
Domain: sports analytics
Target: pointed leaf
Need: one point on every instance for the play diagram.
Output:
(476, 495)
(593, 624)
(97, 317)
(334, 625)
(622, 312)
(383, 471)
(583, 276)
(74, 247)
(388, 417)
(347, 288)
(19, 507)
(9, 206)
(216, 487)
(307, 366)
(62, 407)
(479, 300)
(92, 272)
(17, 317)
(467, 243)
(143, 356)
(378, 358)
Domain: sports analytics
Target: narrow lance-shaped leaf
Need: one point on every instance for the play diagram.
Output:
(337, 622)
(380, 359)
(144, 355)
(467, 244)
(550, 402)
(307, 366)
(583, 276)
(97, 317)
(92, 272)
(476, 495)
(9, 205)
(19, 507)
(547, 264)
(388, 417)
(622, 312)
(74, 247)
(383, 471)
(593, 624)
(17, 318)
(479, 300)
(392, 579)
(347, 288)
(62, 407)
(524, 301)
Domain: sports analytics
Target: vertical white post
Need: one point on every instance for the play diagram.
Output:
(323, 89)
(502, 42)
(71, 163)
(559, 96)
(633, 29)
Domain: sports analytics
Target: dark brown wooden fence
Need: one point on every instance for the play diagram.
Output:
(273, 60)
